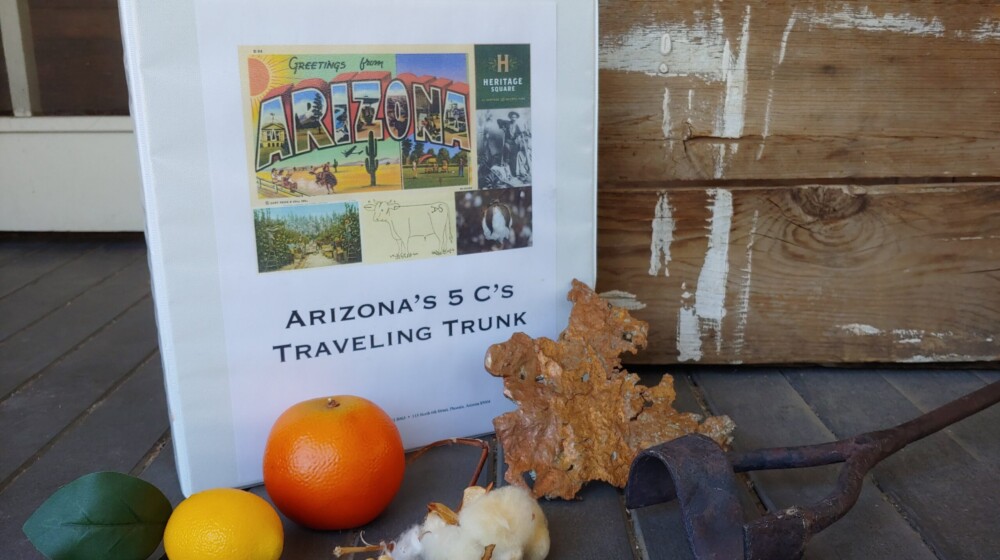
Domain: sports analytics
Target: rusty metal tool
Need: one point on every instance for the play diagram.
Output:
(696, 471)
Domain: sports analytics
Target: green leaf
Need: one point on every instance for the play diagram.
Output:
(100, 516)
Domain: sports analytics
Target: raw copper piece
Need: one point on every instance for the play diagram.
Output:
(580, 416)
(700, 474)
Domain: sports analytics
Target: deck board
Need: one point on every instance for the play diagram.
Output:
(932, 480)
(594, 526)
(65, 392)
(978, 435)
(13, 249)
(81, 390)
(111, 437)
(37, 264)
(660, 528)
(60, 287)
(30, 350)
(777, 415)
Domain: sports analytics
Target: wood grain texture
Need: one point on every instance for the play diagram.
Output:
(791, 89)
(821, 274)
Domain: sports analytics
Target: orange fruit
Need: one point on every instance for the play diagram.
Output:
(223, 524)
(333, 463)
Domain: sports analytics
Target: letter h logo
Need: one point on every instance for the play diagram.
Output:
(503, 63)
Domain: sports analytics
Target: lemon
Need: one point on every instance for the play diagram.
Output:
(224, 524)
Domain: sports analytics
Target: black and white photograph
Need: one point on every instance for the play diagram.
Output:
(504, 144)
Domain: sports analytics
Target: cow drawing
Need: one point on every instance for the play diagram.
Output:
(414, 220)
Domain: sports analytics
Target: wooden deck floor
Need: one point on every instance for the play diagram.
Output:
(81, 391)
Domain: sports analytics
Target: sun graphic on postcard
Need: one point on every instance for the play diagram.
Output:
(264, 73)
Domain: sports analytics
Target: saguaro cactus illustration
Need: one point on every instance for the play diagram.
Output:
(371, 159)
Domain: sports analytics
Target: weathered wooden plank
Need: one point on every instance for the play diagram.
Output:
(33, 348)
(35, 265)
(768, 413)
(824, 274)
(946, 488)
(790, 89)
(59, 287)
(65, 392)
(112, 437)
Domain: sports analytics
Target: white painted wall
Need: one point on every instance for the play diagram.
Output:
(69, 174)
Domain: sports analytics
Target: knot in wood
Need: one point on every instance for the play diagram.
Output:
(828, 203)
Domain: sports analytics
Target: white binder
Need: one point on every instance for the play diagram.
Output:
(269, 292)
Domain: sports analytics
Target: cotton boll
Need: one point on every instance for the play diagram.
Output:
(408, 545)
(510, 519)
(449, 542)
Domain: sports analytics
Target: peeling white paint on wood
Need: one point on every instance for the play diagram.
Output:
(666, 126)
(720, 160)
(743, 306)
(622, 299)
(848, 16)
(987, 30)
(862, 330)
(662, 238)
(704, 318)
(925, 359)
(908, 336)
(970, 238)
(901, 336)
(767, 118)
(731, 114)
(735, 67)
(916, 336)
(710, 294)
(688, 335)
(784, 38)
(696, 49)
(770, 88)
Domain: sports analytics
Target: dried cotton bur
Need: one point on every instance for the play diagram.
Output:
(580, 416)
(491, 524)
